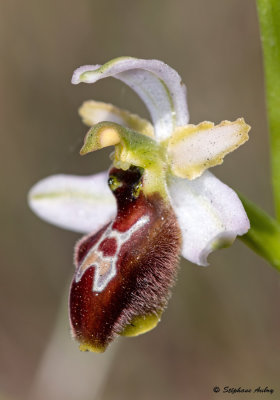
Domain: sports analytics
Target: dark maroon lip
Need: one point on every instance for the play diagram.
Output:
(123, 282)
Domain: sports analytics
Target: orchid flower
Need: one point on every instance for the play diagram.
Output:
(160, 202)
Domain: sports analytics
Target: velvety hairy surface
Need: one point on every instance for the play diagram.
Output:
(146, 266)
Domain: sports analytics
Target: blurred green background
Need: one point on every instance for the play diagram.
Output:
(222, 324)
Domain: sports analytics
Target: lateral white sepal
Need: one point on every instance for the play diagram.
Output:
(78, 203)
(210, 215)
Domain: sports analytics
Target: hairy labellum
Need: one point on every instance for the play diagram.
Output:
(125, 271)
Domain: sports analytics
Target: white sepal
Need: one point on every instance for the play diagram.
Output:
(158, 85)
(210, 215)
(78, 203)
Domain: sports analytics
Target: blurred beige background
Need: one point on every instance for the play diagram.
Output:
(222, 324)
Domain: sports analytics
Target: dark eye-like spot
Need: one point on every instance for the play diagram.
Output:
(137, 189)
(114, 183)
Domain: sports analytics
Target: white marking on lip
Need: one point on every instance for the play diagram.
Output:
(106, 266)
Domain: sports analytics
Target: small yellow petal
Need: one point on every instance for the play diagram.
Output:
(194, 148)
(93, 112)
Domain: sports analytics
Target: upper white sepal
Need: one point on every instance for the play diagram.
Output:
(158, 85)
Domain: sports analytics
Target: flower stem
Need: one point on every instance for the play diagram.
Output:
(269, 19)
(264, 234)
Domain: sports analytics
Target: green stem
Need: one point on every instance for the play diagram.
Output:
(264, 234)
(269, 18)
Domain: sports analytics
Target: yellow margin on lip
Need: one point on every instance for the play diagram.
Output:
(91, 348)
(141, 324)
